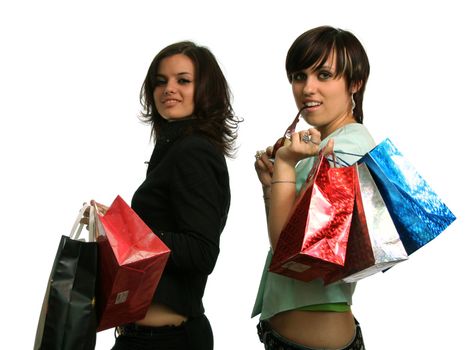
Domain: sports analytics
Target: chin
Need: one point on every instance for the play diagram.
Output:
(170, 118)
(310, 120)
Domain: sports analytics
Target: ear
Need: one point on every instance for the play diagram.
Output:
(356, 86)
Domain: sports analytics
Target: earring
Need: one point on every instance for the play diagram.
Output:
(353, 103)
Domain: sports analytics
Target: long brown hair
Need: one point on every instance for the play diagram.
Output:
(212, 97)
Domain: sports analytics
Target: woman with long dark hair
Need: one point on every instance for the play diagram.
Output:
(185, 196)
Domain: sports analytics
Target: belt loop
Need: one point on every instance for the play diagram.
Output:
(263, 331)
(260, 332)
(118, 331)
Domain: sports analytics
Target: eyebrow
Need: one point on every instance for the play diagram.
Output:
(330, 68)
(178, 74)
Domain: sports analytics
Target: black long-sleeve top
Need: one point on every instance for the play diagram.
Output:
(185, 200)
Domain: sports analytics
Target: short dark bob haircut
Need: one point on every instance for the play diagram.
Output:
(212, 97)
(313, 48)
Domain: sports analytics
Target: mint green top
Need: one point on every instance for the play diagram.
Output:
(279, 293)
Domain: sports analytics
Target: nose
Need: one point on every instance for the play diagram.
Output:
(310, 86)
(170, 88)
(168, 91)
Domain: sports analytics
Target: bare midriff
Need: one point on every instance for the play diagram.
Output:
(159, 315)
(315, 329)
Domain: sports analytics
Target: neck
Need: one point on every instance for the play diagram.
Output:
(328, 129)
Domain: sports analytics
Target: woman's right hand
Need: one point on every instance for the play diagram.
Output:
(302, 144)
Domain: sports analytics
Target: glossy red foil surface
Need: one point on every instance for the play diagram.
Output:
(314, 241)
(131, 261)
(374, 243)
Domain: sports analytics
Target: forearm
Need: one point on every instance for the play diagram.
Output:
(282, 199)
(191, 251)
(266, 193)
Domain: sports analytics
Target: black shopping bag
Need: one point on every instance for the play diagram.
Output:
(68, 319)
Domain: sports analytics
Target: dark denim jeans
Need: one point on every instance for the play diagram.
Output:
(274, 341)
(194, 334)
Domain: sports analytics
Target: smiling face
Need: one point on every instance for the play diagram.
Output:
(326, 95)
(175, 87)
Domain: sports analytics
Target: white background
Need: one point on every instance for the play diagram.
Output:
(70, 75)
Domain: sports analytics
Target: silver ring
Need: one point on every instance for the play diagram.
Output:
(306, 138)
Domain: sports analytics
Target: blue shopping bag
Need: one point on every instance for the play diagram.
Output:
(416, 210)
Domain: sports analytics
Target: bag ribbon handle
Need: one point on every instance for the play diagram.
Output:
(287, 135)
(77, 227)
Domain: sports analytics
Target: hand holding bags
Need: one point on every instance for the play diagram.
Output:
(131, 262)
(395, 213)
(314, 240)
(67, 320)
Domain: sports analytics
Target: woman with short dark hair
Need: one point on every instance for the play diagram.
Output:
(328, 70)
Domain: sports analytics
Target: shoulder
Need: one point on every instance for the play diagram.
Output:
(352, 138)
(195, 152)
(197, 165)
(196, 145)
(196, 141)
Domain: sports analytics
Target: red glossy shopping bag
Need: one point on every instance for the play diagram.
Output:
(131, 261)
(314, 241)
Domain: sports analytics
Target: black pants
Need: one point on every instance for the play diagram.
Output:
(194, 334)
(274, 341)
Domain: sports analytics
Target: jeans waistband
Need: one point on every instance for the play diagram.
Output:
(273, 341)
(134, 329)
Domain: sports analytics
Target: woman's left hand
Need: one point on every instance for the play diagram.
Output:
(101, 208)
(264, 167)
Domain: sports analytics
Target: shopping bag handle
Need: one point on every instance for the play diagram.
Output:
(92, 224)
(77, 227)
(316, 164)
(347, 153)
(333, 158)
(287, 135)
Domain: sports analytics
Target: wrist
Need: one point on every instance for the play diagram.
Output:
(284, 172)
(286, 158)
(282, 164)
